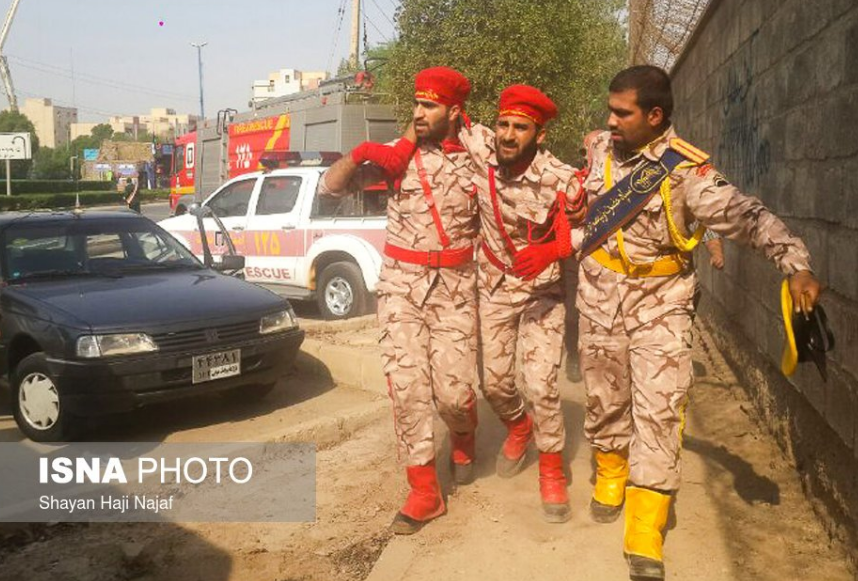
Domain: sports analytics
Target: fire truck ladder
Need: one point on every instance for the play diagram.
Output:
(224, 118)
(4, 66)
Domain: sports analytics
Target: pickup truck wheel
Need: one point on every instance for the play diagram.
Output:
(341, 292)
(37, 402)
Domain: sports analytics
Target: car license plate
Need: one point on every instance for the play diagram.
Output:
(217, 365)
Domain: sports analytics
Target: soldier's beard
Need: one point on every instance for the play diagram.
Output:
(433, 133)
(519, 161)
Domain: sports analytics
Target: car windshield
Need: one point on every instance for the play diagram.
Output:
(90, 247)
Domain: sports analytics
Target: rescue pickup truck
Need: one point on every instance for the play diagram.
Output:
(298, 244)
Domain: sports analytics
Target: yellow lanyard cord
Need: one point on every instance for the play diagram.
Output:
(683, 244)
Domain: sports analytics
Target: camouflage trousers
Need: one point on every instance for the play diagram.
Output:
(637, 386)
(429, 355)
(523, 341)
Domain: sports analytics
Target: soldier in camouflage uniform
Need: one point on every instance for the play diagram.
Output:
(522, 193)
(427, 305)
(635, 296)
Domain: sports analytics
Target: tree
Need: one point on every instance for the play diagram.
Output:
(101, 132)
(15, 122)
(52, 164)
(569, 49)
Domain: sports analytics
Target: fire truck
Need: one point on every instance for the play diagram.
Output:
(337, 116)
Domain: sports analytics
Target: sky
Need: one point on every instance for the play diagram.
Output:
(113, 57)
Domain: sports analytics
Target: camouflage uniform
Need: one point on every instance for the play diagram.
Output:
(428, 316)
(635, 332)
(519, 318)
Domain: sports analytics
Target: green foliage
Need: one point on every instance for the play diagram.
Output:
(67, 200)
(52, 164)
(569, 49)
(14, 122)
(101, 132)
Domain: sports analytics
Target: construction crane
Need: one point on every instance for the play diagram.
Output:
(4, 66)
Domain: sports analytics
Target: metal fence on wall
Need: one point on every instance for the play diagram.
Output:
(658, 29)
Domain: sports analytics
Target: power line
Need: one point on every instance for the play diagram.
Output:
(95, 80)
(67, 104)
(341, 11)
(377, 29)
(383, 14)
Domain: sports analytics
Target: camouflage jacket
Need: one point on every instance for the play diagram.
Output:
(410, 224)
(524, 203)
(699, 194)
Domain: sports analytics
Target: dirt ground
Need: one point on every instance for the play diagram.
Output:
(740, 515)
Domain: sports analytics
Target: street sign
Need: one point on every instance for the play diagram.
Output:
(15, 146)
(90, 154)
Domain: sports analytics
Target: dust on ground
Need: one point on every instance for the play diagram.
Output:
(739, 487)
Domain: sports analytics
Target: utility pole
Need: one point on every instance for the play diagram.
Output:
(354, 55)
(199, 46)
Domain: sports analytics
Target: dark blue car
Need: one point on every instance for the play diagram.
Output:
(103, 312)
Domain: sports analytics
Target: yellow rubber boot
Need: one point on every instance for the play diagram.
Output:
(646, 517)
(612, 472)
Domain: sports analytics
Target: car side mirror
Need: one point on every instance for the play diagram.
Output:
(229, 262)
(194, 209)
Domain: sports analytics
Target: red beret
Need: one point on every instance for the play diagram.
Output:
(442, 85)
(527, 101)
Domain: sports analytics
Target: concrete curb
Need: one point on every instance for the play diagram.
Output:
(344, 365)
(356, 324)
(330, 431)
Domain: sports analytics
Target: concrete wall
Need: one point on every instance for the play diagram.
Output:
(770, 89)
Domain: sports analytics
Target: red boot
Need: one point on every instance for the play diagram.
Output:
(463, 451)
(552, 487)
(511, 457)
(424, 502)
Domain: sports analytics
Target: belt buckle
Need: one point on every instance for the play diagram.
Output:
(434, 258)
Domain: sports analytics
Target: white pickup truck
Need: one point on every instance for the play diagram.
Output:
(296, 243)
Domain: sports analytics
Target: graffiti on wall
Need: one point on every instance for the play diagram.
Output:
(744, 151)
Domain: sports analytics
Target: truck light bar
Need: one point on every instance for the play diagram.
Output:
(277, 159)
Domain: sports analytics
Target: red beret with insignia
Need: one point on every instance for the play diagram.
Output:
(527, 101)
(442, 85)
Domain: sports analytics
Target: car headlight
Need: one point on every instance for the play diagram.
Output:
(91, 346)
(278, 322)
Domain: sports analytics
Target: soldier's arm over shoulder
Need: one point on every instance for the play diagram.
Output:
(479, 141)
(722, 208)
(345, 177)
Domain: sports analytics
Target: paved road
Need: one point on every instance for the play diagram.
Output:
(156, 210)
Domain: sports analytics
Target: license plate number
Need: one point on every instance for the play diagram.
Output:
(216, 365)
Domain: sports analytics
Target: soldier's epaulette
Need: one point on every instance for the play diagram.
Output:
(688, 151)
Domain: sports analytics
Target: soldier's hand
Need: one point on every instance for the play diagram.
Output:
(805, 291)
(716, 253)
(530, 261)
(392, 159)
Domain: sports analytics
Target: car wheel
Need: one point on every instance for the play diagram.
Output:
(37, 402)
(341, 292)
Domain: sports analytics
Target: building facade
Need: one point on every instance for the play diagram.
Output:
(52, 122)
(286, 82)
